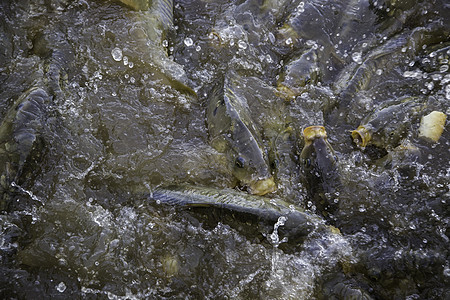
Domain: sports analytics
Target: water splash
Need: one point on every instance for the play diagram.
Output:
(273, 238)
(116, 54)
(29, 193)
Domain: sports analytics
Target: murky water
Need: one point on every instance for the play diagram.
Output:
(98, 108)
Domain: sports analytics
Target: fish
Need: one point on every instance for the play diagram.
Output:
(297, 74)
(320, 169)
(156, 20)
(359, 75)
(330, 29)
(388, 124)
(298, 223)
(20, 135)
(162, 9)
(232, 131)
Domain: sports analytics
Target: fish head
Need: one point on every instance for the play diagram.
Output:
(250, 166)
(253, 173)
(361, 136)
(319, 163)
(298, 74)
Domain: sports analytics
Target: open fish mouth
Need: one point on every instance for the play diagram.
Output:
(262, 187)
(312, 132)
(361, 136)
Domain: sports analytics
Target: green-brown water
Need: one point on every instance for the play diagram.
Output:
(125, 113)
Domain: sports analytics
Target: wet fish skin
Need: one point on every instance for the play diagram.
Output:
(162, 8)
(386, 126)
(232, 131)
(299, 73)
(358, 76)
(156, 20)
(19, 133)
(320, 169)
(298, 224)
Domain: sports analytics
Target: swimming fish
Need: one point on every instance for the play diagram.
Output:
(232, 131)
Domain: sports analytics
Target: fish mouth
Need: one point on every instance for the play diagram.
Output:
(262, 187)
(361, 136)
(313, 132)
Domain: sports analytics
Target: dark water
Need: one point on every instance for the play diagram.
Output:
(123, 111)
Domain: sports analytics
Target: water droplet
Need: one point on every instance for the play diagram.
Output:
(288, 41)
(116, 54)
(61, 287)
(271, 37)
(198, 48)
(429, 85)
(242, 45)
(379, 71)
(357, 57)
(165, 43)
(125, 60)
(188, 42)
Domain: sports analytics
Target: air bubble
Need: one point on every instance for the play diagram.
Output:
(357, 57)
(116, 54)
(188, 42)
(242, 45)
(61, 287)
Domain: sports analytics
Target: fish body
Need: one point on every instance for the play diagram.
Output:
(299, 73)
(298, 223)
(20, 134)
(320, 169)
(332, 29)
(161, 9)
(360, 74)
(232, 131)
(389, 124)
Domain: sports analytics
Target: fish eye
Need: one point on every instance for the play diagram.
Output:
(275, 164)
(240, 162)
(307, 162)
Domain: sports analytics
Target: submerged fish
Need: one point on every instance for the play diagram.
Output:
(147, 39)
(389, 124)
(362, 75)
(19, 134)
(232, 131)
(161, 9)
(320, 169)
(299, 73)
